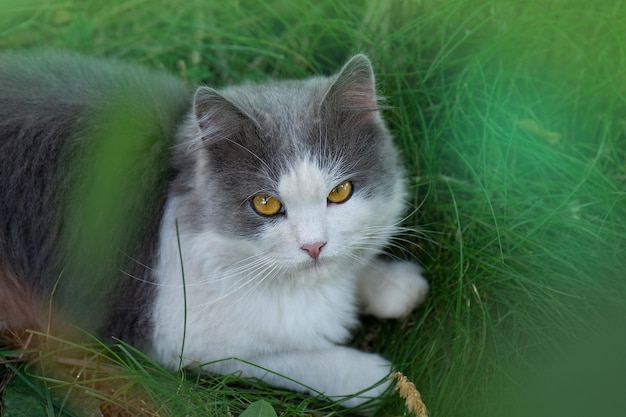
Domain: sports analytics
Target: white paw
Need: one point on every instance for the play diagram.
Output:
(360, 373)
(342, 374)
(391, 290)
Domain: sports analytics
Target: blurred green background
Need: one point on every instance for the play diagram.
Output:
(511, 116)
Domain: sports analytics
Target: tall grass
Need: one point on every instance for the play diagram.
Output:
(511, 118)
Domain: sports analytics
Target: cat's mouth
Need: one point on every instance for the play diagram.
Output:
(319, 264)
(310, 264)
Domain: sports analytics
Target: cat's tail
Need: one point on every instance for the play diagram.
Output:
(36, 340)
(23, 313)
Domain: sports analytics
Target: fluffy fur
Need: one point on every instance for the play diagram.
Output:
(252, 291)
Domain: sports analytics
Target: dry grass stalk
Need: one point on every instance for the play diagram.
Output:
(412, 397)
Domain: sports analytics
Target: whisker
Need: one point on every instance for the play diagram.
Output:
(256, 273)
(137, 261)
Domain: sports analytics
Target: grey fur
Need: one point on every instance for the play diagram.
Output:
(53, 107)
(263, 128)
(240, 140)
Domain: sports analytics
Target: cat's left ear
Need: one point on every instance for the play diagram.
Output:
(354, 88)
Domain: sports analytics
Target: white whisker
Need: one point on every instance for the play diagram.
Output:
(255, 273)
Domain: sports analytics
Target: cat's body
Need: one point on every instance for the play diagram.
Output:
(269, 202)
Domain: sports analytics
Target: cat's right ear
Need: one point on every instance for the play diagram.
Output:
(216, 116)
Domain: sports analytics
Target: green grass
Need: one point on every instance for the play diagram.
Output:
(511, 116)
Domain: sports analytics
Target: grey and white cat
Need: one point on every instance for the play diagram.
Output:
(270, 202)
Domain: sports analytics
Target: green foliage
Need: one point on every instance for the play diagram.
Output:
(259, 408)
(19, 399)
(511, 118)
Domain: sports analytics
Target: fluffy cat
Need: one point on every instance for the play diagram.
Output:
(252, 216)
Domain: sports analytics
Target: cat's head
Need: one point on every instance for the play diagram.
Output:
(298, 175)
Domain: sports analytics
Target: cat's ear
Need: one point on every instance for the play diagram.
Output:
(354, 88)
(216, 116)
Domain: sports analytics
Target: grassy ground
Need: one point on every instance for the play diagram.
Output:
(511, 115)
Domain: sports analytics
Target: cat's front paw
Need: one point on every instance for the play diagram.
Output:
(391, 290)
(363, 377)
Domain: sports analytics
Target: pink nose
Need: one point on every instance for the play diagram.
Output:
(313, 249)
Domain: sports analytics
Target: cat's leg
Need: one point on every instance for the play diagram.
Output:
(391, 289)
(335, 372)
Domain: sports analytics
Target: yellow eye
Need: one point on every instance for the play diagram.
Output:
(340, 193)
(266, 205)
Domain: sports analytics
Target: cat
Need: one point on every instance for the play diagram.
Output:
(238, 230)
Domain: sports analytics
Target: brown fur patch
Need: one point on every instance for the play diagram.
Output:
(20, 309)
(53, 348)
